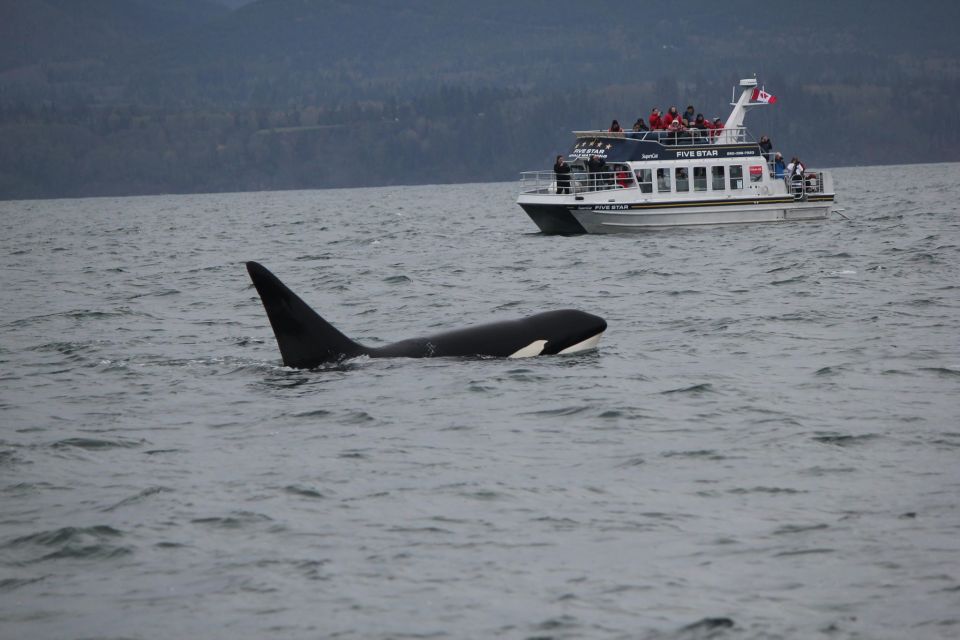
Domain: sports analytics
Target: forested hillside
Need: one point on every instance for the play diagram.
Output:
(154, 96)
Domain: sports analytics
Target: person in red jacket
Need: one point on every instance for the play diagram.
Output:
(717, 128)
(670, 117)
(655, 122)
(674, 131)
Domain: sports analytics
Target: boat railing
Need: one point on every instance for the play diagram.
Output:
(687, 138)
(811, 182)
(546, 183)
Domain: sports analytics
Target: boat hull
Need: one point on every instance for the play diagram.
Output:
(554, 219)
(577, 218)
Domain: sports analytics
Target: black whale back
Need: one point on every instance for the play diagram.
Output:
(557, 329)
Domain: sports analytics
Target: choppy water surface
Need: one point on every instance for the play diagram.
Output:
(766, 445)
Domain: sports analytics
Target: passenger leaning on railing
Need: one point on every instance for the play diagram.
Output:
(716, 127)
(674, 130)
(615, 127)
(778, 167)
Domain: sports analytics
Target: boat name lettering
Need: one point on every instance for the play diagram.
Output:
(585, 153)
(609, 207)
(700, 153)
(649, 156)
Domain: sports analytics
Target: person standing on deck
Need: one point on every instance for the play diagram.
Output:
(766, 147)
(594, 166)
(562, 171)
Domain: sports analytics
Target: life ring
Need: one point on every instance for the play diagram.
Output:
(764, 190)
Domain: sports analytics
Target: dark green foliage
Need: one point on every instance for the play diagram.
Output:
(150, 96)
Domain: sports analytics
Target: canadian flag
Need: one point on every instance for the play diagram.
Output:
(759, 95)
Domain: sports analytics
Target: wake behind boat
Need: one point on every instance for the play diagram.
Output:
(666, 178)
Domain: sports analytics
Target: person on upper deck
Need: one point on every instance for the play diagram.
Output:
(615, 127)
(672, 115)
(703, 131)
(717, 127)
(766, 147)
(778, 167)
(688, 117)
(674, 131)
(562, 171)
(656, 123)
(640, 125)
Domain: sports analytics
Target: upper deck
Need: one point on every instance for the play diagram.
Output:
(640, 146)
(731, 141)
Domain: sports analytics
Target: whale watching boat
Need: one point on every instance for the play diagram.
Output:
(655, 179)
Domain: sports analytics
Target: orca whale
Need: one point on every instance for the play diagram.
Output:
(306, 340)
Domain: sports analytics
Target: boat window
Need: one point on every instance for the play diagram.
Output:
(718, 181)
(663, 180)
(683, 181)
(699, 178)
(645, 180)
(756, 173)
(736, 176)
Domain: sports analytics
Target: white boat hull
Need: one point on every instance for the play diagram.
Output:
(599, 221)
(569, 218)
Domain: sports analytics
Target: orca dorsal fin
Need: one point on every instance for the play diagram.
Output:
(305, 339)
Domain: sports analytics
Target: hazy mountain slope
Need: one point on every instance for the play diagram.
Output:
(355, 49)
(141, 96)
(39, 31)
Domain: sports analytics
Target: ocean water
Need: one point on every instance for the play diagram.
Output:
(765, 445)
